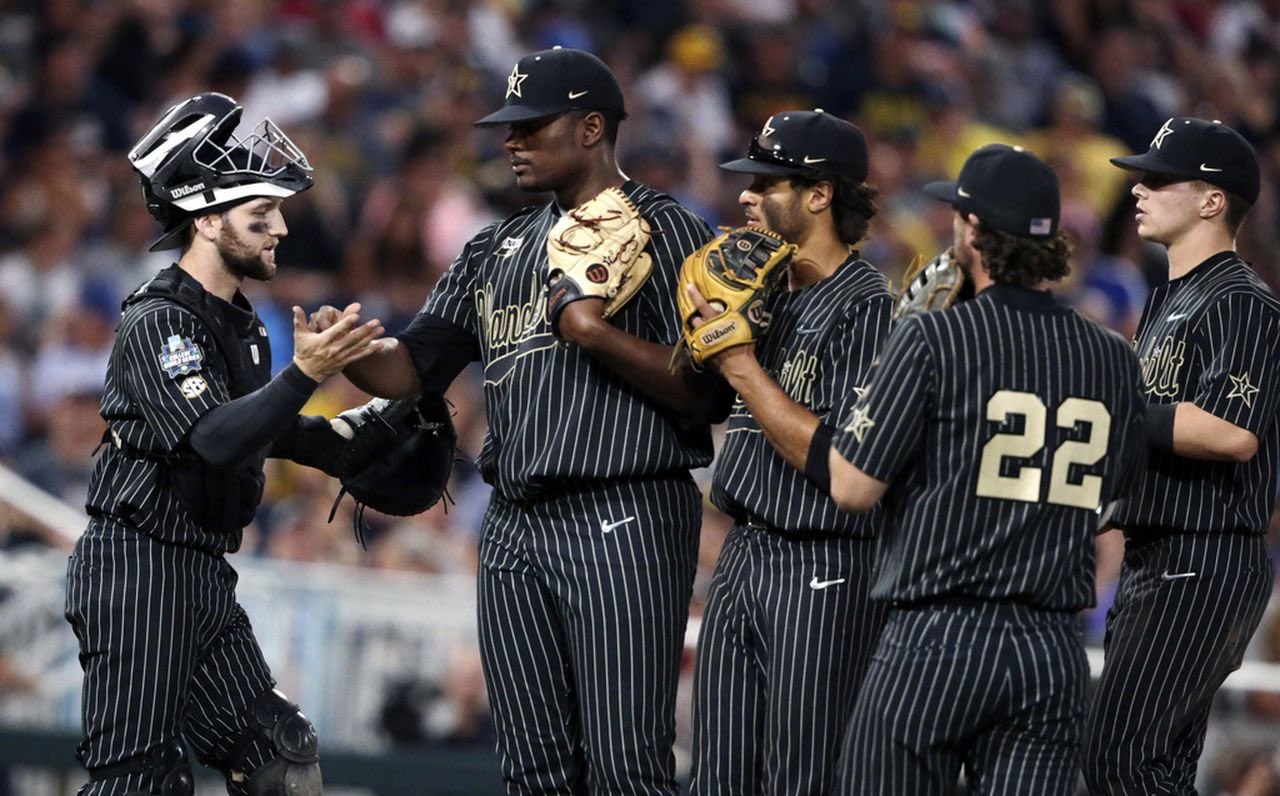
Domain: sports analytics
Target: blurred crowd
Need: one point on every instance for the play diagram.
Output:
(381, 94)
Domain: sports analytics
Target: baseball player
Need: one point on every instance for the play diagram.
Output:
(1196, 574)
(170, 661)
(588, 547)
(997, 431)
(790, 626)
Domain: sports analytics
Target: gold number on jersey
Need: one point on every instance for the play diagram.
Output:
(1025, 486)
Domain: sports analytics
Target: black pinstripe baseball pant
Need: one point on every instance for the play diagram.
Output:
(166, 651)
(786, 639)
(583, 603)
(997, 688)
(1184, 612)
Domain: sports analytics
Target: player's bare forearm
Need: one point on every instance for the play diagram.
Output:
(1200, 435)
(851, 488)
(788, 425)
(642, 363)
(388, 373)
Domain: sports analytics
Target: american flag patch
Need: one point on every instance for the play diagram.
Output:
(1041, 226)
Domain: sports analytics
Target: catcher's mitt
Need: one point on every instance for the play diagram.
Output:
(735, 272)
(398, 456)
(932, 285)
(597, 251)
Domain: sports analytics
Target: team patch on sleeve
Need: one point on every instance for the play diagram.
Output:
(180, 355)
(193, 387)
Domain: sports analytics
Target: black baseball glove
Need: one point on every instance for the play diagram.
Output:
(398, 456)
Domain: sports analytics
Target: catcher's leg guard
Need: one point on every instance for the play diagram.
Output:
(295, 767)
(166, 770)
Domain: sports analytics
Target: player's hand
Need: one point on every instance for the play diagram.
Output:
(726, 360)
(325, 353)
(579, 320)
(323, 318)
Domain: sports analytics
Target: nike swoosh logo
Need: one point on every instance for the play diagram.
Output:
(1208, 168)
(1177, 316)
(606, 527)
(962, 192)
(1167, 575)
(819, 585)
(811, 161)
(576, 94)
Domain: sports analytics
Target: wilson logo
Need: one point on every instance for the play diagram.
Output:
(186, 190)
(713, 335)
(598, 274)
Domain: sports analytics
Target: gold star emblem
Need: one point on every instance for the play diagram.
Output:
(1164, 132)
(514, 80)
(1241, 388)
(861, 392)
(767, 130)
(859, 423)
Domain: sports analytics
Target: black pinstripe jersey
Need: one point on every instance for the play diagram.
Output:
(1211, 337)
(556, 414)
(164, 373)
(821, 342)
(1003, 425)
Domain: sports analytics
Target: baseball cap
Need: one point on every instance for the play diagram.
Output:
(805, 143)
(553, 81)
(1197, 149)
(1008, 188)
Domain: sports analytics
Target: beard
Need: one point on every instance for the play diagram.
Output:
(785, 220)
(240, 258)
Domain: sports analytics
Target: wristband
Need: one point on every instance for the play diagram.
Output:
(817, 465)
(1160, 425)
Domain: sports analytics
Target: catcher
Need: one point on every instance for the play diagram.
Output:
(588, 549)
(789, 625)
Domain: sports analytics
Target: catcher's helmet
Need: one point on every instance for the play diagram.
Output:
(192, 163)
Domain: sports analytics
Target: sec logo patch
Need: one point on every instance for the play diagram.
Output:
(193, 387)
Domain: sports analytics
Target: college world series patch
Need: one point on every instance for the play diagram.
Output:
(180, 355)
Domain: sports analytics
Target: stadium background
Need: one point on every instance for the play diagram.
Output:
(378, 645)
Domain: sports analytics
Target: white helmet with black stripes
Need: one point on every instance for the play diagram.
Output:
(192, 163)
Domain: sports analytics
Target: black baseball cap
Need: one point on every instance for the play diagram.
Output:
(1008, 189)
(1197, 149)
(553, 81)
(806, 143)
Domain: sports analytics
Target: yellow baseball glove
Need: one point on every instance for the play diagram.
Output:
(735, 272)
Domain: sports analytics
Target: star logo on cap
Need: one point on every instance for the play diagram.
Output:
(859, 423)
(767, 130)
(1164, 132)
(1242, 389)
(514, 80)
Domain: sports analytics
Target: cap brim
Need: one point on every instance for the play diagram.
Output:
(1144, 162)
(749, 166)
(508, 114)
(945, 191)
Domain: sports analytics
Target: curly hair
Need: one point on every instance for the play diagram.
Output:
(853, 205)
(1014, 260)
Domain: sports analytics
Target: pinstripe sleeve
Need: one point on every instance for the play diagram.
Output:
(849, 358)
(886, 428)
(677, 234)
(171, 392)
(453, 297)
(1239, 382)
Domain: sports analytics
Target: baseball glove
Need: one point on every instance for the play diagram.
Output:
(397, 458)
(735, 272)
(930, 285)
(597, 251)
